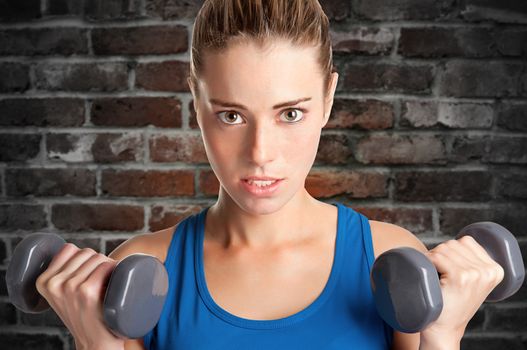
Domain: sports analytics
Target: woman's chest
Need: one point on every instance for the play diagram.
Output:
(268, 285)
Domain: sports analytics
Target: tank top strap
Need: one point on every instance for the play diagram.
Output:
(358, 259)
(179, 263)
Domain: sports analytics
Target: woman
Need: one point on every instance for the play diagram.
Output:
(268, 265)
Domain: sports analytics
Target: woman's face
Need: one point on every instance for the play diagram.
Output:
(245, 131)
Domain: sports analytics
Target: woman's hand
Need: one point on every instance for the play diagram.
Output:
(468, 275)
(74, 285)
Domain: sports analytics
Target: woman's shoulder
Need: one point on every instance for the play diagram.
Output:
(152, 243)
(386, 236)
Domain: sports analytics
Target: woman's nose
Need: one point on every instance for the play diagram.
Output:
(262, 144)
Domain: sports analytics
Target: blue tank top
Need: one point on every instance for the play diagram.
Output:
(343, 316)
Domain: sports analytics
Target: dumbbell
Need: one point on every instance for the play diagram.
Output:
(134, 297)
(405, 283)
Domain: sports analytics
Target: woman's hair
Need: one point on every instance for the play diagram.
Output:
(222, 22)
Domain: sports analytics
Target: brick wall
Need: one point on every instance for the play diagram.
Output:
(99, 142)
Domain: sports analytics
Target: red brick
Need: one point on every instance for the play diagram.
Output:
(511, 41)
(152, 183)
(443, 185)
(405, 9)
(467, 148)
(441, 42)
(186, 148)
(386, 77)
(22, 217)
(42, 112)
(12, 11)
(97, 217)
(510, 215)
(511, 185)
(171, 10)
(104, 10)
(334, 149)
(352, 184)
(28, 340)
(137, 111)
(419, 114)
(7, 309)
(43, 41)
(208, 183)
(510, 318)
(15, 77)
(505, 149)
(111, 244)
(50, 182)
(3, 251)
(429, 114)
(465, 78)
(100, 147)
(361, 114)
(415, 220)
(336, 10)
(363, 40)
(19, 147)
(103, 76)
(163, 76)
(511, 116)
(140, 40)
(508, 11)
(401, 149)
(163, 216)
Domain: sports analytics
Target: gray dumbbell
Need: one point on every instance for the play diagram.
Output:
(406, 287)
(135, 293)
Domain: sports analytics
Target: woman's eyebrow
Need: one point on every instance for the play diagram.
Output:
(237, 105)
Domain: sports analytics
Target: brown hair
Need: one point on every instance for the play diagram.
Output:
(221, 22)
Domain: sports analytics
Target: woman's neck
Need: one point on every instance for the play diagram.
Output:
(234, 227)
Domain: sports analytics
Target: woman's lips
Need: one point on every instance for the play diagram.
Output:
(262, 191)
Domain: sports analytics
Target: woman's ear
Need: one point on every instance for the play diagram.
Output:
(190, 85)
(194, 99)
(328, 102)
(193, 92)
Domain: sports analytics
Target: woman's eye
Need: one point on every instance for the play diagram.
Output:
(291, 115)
(230, 116)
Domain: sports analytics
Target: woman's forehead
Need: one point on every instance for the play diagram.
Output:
(246, 66)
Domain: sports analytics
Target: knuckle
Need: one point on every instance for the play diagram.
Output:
(499, 273)
(88, 250)
(441, 247)
(450, 241)
(88, 291)
(467, 239)
(53, 286)
(468, 276)
(40, 284)
(68, 247)
(70, 286)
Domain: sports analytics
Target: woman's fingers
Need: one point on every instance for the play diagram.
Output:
(82, 273)
(93, 288)
(57, 262)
